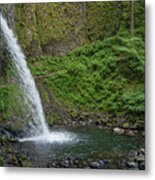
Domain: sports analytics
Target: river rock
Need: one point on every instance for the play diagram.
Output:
(64, 165)
(73, 114)
(98, 123)
(130, 133)
(90, 122)
(94, 165)
(76, 161)
(141, 151)
(102, 163)
(118, 130)
(82, 123)
(4, 132)
(125, 125)
(140, 158)
(132, 165)
(106, 161)
(142, 166)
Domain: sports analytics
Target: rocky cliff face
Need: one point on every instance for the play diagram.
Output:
(52, 28)
(57, 28)
(7, 12)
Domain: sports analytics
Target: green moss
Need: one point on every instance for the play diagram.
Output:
(104, 120)
(1, 161)
(53, 118)
(73, 113)
(125, 125)
(57, 28)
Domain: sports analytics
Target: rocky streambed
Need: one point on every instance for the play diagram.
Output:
(119, 124)
(94, 148)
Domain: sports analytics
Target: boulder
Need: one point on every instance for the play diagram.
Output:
(130, 133)
(118, 130)
(4, 132)
(132, 165)
(125, 125)
(94, 165)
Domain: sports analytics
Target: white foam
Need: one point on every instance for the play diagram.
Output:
(52, 137)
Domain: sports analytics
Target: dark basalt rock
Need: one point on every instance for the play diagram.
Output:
(97, 164)
(4, 132)
(94, 165)
(135, 160)
(132, 165)
(7, 11)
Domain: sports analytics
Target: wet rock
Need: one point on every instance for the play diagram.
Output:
(106, 161)
(122, 163)
(132, 165)
(125, 125)
(98, 123)
(118, 130)
(64, 165)
(142, 166)
(84, 163)
(74, 123)
(102, 163)
(82, 123)
(53, 164)
(141, 151)
(104, 120)
(76, 161)
(94, 165)
(66, 161)
(143, 133)
(100, 127)
(65, 123)
(89, 122)
(74, 114)
(140, 159)
(85, 115)
(138, 126)
(109, 124)
(4, 132)
(130, 133)
(135, 160)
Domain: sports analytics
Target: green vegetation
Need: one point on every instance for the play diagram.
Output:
(57, 28)
(5, 93)
(106, 76)
(87, 59)
(64, 26)
(83, 56)
(12, 106)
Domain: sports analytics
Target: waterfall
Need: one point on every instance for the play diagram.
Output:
(39, 130)
(27, 83)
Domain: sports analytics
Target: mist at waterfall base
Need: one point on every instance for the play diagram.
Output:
(39, 130)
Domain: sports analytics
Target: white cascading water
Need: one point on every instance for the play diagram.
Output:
(39, 129)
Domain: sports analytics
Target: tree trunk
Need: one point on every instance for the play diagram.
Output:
(132, 17)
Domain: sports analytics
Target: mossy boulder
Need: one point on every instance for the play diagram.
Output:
(104, 120)
(73, 113)
(125, 125)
